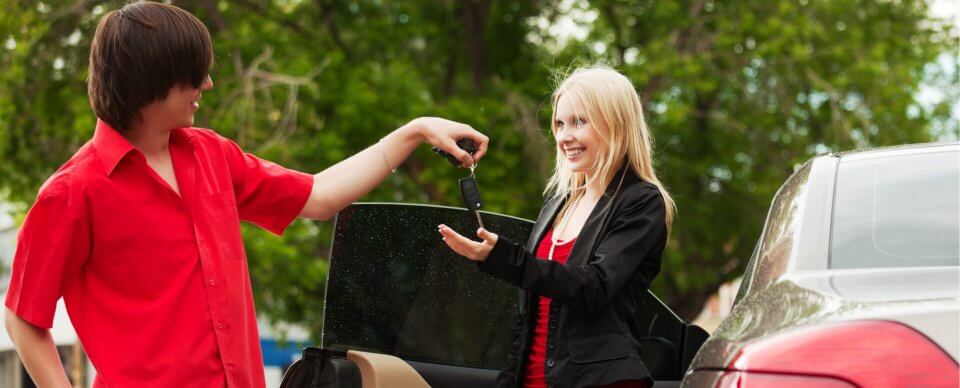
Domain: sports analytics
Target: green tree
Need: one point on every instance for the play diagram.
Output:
(737, 94)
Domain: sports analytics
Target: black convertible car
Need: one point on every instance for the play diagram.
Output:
(403, 310)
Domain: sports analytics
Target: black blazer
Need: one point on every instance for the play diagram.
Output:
(592, 330)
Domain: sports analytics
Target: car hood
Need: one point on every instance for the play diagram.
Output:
(923, 298)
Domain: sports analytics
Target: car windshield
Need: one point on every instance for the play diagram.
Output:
(394, 287)
(899, 211)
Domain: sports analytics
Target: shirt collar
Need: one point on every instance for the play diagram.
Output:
(110, 145)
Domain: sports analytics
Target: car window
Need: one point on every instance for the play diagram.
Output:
(899, 211)
(394, 287)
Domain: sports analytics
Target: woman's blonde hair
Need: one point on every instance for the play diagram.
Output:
(613, 109)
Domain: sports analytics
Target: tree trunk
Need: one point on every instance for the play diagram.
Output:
(474, 15)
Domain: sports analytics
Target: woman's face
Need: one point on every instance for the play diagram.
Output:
(576, 137)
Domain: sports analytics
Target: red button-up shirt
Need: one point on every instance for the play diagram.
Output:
(155, 283)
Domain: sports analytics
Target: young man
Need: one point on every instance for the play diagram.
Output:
(139, 231)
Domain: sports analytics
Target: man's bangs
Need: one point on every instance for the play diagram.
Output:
(191, 49)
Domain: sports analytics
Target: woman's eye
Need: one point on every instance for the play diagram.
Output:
(579, 122)
(559, 124)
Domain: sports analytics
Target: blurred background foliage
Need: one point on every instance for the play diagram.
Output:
(737, 94)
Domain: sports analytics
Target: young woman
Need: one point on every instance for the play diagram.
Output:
(595, 248)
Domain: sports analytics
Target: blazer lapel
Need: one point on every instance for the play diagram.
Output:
(544, 221)
(547, 214)
(589, 233)
(598, 219)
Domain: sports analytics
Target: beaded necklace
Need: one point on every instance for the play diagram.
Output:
(555, 238)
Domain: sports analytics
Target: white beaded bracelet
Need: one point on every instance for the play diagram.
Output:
(384, 153)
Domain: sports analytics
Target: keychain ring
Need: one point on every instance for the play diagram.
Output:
(473, 160)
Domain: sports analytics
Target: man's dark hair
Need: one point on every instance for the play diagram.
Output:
(139, 53)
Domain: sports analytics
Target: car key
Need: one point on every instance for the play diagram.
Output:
(471, 196)
(464, 144)
(469, 192)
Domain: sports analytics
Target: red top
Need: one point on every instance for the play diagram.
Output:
(155, 284)
(534, 375)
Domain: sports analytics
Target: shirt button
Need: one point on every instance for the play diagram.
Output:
(553, 324)
(551, 363)
(553, 344)
(212, 282)
(219, 325)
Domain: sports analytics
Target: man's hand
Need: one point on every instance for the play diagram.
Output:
(443, 134)
(345, 182)
(473, 250)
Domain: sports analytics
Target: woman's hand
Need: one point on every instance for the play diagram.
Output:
(473, 250)
(443, 134)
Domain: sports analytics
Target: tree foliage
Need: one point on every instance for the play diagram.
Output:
(738, 93)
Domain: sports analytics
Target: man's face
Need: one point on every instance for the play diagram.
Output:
(177, 110)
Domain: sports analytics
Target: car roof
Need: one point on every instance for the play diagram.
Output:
(898, 149)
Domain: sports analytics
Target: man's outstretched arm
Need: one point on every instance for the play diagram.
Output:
(343, 183)
(37, 351)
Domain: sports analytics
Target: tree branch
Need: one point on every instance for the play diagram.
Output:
(474, 15)
(415, 168)
(327, 12)
(611, 15)
(268, 13)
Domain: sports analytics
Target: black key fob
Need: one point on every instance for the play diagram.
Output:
(464, 144)
(467, 145)
(470, 194)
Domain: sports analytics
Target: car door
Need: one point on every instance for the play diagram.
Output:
(395, 288)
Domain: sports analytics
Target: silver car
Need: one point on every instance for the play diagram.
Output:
(854, 281)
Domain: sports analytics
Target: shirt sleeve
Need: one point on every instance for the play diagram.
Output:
(267, 194)
(52, 246)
